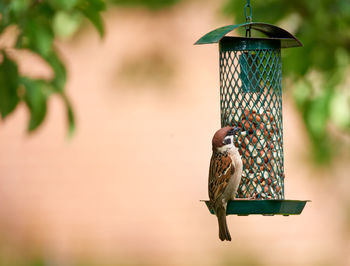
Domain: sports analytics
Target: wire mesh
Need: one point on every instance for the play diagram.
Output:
(251, 98)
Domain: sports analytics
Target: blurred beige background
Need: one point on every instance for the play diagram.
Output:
(125, 189)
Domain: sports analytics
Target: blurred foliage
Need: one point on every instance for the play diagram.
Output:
(150, 4)
(39, 23)
(319, 69)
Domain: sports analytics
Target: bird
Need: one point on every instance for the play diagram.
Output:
(225, 174)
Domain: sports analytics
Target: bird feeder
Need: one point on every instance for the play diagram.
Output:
(251, 99)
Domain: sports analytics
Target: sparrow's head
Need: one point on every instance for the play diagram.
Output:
(223, 139)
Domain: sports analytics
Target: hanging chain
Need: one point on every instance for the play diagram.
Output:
(248, 18)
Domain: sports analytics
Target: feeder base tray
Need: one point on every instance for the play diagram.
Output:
(244, 207)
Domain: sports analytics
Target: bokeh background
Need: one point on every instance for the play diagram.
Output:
(125, 188)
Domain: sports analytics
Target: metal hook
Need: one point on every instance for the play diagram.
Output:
(248, 19)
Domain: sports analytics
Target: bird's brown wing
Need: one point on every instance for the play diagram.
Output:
(221, 170)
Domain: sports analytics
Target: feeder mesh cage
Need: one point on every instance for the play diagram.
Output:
(251, 99)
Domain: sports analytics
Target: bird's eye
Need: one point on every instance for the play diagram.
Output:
(227, 141)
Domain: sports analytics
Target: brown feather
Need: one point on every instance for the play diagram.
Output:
(221, 170)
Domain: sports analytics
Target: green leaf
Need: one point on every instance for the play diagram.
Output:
(63, 4)
(96, 19)
(66, 24)
(59, 69)
(98, 5)
(5, 16)
(301, 93)
(8, 86)
(340, 110)
(317, 116)
(35, 98)
(39, 36)
(70, 115)
(18, 6)
(92, 10)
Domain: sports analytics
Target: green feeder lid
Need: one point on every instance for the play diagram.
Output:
(272, 32)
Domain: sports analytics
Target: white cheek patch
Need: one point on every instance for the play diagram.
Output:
(227, 147)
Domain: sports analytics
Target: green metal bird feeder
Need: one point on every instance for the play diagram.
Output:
(251, 98)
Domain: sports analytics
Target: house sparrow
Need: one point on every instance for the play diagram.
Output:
(224, 175)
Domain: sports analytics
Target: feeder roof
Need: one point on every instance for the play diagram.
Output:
(272, 32)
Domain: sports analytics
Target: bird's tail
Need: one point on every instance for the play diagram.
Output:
(224, 233)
